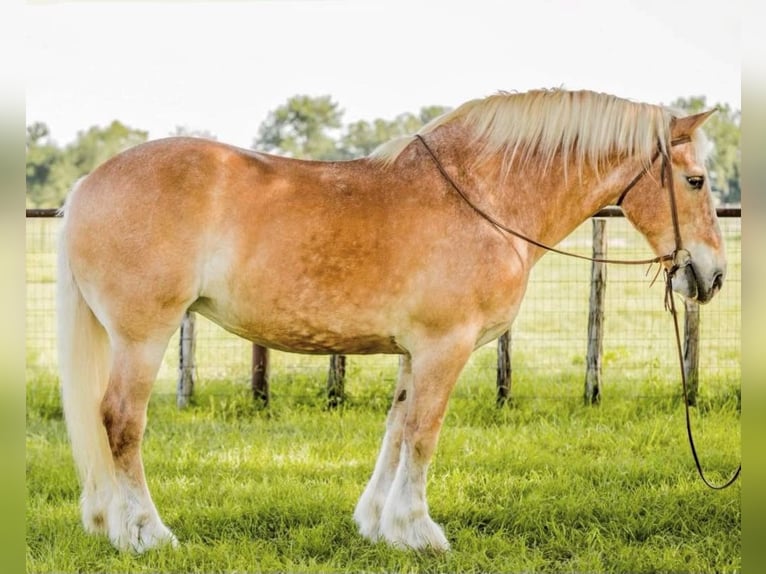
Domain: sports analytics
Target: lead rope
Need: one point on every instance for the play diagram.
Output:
(670, 305)
(680, 258)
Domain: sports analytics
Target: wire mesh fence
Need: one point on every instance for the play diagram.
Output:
(550, 334)
(549, 337)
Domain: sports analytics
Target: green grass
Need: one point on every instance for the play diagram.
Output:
(544, 484)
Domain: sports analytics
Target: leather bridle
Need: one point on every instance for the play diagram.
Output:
(679, 259)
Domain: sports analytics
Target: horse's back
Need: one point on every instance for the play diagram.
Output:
(176, 172)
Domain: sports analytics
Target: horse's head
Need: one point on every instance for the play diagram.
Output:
(648, 207)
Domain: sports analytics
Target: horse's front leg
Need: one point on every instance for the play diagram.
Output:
(370, 505)
(405, 521)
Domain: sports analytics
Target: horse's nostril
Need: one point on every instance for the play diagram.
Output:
(718, 281)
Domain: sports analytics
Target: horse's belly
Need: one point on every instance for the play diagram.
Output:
(302, 332)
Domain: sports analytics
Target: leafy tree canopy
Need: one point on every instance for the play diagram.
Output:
(362, 137)
(185, 131)
(311, 128)
(51, 171)
(302, 128)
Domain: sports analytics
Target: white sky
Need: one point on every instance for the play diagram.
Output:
(222, 66)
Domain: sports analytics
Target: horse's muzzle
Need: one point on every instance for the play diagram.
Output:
(698, 284)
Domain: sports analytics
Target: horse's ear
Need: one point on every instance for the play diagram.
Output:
(686, 125)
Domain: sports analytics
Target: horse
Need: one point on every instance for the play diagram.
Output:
(372, 255)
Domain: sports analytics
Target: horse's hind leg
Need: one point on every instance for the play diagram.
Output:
(370, 505)
(132, 519)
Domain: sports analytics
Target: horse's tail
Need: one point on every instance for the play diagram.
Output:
(84, 361)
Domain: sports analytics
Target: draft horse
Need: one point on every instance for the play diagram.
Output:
(374, 255)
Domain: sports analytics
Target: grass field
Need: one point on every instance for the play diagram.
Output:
(543, 484)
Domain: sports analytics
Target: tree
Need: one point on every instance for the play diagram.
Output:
(723, 131)
(183, 131)
(51, 171)
(302, 128)
(96, 145)
(362, 137)
(43, 159)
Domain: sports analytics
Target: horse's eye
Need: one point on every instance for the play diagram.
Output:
(695, 181)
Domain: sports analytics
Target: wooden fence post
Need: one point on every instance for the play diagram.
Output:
(596, 315)
(336, 381)
(504, 369)
(186, 365)
(259, 377)
(691, 349)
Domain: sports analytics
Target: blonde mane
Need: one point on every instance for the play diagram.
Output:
(580, 125)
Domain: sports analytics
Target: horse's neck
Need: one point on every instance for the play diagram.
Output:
(545, 203)
(550, 202)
